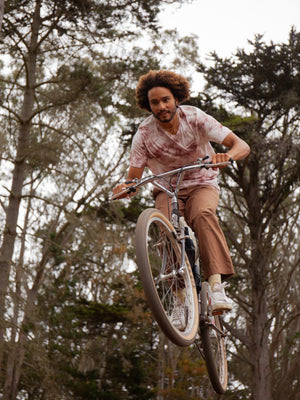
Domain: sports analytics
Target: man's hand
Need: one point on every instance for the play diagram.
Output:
(133, 174)
(121, 187)
(219, 158)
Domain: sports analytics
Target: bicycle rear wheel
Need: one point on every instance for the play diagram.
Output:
(159, 261)
(213, 343)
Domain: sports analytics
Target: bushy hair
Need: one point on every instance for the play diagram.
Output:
(177, 84)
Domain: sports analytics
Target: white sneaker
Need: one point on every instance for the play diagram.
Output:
(178, 316)
(219, 300)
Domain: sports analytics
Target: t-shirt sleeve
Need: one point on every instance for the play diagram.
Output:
(138, 154)
(213, 129)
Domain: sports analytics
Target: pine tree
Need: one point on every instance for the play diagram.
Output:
(260, 211)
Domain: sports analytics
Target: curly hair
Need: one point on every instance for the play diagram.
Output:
(177, 84)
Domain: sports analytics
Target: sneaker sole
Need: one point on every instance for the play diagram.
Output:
(221, 307)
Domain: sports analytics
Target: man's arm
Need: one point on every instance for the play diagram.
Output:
(238, 149)
(133, 172)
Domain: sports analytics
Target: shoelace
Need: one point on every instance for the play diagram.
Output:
(220, 287)
(178, 312)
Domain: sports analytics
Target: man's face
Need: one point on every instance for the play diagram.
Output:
(162, 104)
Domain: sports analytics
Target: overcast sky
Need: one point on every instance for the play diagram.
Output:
(225, 25)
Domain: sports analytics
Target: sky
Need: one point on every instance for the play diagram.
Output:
(223, 26)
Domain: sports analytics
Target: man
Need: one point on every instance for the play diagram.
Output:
(171, 137)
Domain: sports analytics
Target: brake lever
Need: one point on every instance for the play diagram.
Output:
(210, 165)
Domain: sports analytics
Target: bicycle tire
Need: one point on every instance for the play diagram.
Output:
(158, 254)
(213, 344)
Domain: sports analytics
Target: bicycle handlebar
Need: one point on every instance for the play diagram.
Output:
(150, 178)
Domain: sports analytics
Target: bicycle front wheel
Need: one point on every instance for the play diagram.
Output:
(213, 343)
(163, 277)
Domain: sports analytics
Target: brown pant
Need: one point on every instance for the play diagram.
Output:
(198, 206)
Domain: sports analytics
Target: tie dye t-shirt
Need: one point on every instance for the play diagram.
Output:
(155, 148)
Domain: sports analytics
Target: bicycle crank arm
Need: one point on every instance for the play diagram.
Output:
(216, 329)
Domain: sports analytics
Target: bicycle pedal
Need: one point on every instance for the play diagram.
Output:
(217, 312)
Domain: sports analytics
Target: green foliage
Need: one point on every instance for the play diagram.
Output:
(265, 80)
(132, 210)
(94, 334)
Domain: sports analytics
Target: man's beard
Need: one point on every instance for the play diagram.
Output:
(165, 119)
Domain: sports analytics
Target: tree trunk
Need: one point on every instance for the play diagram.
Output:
(1, 12)
(161, 367)
(260, 351)
(262, 377)
(10, 391)
(13, 353)
(9, 237)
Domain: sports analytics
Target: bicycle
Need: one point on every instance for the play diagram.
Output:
(167, 265)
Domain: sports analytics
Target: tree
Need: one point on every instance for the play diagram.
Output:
(261, 212)
(1, 12)
(65, 97)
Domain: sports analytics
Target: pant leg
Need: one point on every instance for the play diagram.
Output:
(200, 213)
